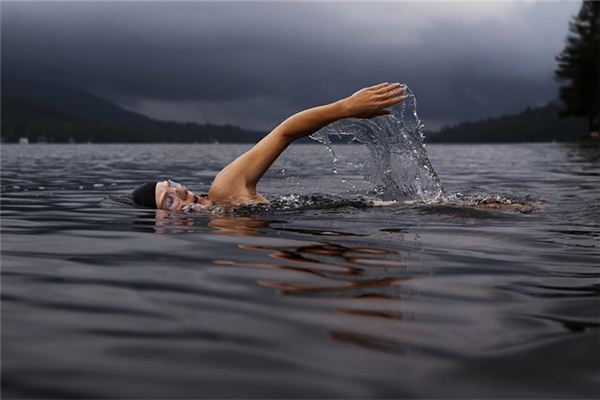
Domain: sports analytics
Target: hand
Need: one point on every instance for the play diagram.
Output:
(373, 101)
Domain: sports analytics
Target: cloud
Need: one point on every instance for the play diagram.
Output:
(251, 63)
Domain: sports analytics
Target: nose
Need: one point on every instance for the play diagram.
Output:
(182, 193)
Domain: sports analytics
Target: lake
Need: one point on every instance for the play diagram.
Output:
(330, 297)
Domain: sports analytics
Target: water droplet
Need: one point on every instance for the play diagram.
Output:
(397, 164)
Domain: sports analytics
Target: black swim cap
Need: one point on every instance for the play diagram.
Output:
(145, 195)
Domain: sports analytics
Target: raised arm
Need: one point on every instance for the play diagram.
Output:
(239, 178)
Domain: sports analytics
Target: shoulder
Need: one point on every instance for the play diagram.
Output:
(233, 190)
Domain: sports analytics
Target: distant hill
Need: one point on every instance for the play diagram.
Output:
(41, 122)
(540, 124)
(45, 112)
(76, 102)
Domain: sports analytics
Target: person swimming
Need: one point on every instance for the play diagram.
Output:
(235, 185)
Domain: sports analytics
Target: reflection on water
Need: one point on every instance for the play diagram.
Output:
(335, 264)
(371, 342)
(342, 272)
(172, 223)
(168, 222)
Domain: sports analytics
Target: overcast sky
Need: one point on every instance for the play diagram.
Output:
(252, 64)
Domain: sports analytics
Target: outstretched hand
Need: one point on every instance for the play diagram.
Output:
(373, 101)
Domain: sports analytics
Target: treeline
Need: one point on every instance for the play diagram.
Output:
(541, 124)
(40, 122)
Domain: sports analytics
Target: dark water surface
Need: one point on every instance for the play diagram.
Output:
(328, 299)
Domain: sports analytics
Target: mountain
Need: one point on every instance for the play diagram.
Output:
(540, 124)
(46, 112)
(73, 101)
(42, 122)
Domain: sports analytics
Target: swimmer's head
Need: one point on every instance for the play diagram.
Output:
(145, 195)
(168, 195)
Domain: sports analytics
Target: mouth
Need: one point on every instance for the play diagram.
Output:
(196, 199)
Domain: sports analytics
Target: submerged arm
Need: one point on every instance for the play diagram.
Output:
(241, 176)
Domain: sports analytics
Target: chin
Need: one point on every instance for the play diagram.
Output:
(204, 202)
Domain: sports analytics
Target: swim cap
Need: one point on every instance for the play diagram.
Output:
(145, 195)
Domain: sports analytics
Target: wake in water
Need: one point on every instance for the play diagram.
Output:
(398, 167)
(460, 201)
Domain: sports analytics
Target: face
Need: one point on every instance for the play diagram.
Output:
(173, 196)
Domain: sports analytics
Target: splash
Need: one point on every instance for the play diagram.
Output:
(398, 167)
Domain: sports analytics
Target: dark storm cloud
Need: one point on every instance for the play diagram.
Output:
(253, 63)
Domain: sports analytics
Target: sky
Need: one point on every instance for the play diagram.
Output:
(253, 64)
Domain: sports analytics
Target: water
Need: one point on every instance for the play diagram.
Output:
(397, 166)
(328, 296)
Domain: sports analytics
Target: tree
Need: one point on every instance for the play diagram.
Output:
(579, 66)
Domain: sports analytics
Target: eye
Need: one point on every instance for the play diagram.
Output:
(169, 201)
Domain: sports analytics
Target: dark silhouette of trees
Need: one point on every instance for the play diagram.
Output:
(579, 66)
(535, 124)
(41, 122)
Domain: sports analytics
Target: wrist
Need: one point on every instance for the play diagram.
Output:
(343, 108)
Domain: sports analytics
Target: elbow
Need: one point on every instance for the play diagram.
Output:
(286, 134)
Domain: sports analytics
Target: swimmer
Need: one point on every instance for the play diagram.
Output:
(236, 184)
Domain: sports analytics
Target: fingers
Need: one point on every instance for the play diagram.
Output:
(378, 86)
(394, 100)
(390, 88)
(391, 95)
